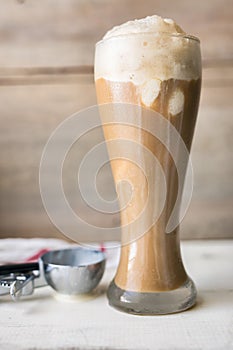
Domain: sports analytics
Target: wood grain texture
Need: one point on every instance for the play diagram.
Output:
(47, 321)
(29, 113)
(63, 33)
(46, 74)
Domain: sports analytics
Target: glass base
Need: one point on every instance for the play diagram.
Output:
(157, 303)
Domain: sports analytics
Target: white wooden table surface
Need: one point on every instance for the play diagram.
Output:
(48, 321)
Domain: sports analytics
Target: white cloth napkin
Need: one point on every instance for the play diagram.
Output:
(14, 250)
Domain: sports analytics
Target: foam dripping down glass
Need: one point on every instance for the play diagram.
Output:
(145, 77)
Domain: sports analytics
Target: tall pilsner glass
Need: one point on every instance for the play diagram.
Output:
(157, 73)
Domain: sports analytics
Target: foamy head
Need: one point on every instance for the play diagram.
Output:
(146, 49)
(149, 24)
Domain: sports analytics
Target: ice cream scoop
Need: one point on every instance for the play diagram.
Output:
(68, 271)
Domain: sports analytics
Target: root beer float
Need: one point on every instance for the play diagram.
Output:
(152, 64)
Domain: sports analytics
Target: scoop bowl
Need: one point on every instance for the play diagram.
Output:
(73, 271)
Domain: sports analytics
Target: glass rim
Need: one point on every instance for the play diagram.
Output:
(174, 35)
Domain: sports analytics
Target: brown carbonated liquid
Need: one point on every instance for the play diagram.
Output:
(152, 261)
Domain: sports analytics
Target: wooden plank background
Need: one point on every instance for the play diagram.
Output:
(46, 74)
